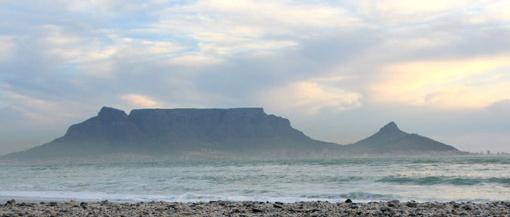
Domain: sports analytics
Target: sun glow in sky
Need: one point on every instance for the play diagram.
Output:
(472, 83)
(338, 70)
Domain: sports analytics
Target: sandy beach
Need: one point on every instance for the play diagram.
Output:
(226, 208)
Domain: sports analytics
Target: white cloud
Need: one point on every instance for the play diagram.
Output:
(225, 28)
(97, 54)
(235, 53)
(496, 12)
(285, 13)
(404, 11)
(194, 60)
(77, 48)
(89, 54)
(139, 100)
(310, 97)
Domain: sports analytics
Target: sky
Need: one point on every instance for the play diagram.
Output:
(339, 70)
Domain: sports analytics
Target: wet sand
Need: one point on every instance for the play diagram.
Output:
(227, 208)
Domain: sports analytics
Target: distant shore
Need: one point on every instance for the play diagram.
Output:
(230, 208)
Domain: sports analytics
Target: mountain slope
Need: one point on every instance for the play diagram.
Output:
(204, 133)
(174, 132)
(390, 139)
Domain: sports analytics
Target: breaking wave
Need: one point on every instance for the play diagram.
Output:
(441, 180)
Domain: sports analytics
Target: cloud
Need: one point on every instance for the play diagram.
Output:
(38, 110)
(337, 69)
(298, 15)
(225, 28)
(194, 60)
(6, 47)
(458, 83)
(402, 11)
(140, 101)
(310, 97)
(490, 13)
(98, 54)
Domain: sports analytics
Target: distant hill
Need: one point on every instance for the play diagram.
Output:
(391, 140)
(205, 133)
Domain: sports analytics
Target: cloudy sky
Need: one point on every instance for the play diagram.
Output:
(339, 70)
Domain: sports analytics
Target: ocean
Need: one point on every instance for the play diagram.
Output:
(362, 179)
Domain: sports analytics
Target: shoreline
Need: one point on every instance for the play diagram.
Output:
(252, 208)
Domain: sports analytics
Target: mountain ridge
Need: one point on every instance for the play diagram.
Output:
(213, 131)
(175, 131)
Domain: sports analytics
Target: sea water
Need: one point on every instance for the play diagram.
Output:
(460, 178)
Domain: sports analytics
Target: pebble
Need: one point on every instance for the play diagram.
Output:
(247, 208)
(277, 206)
(393, 203)
(411, 203)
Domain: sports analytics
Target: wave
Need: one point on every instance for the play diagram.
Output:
(439, 180)
(187, 197)
(360, 196)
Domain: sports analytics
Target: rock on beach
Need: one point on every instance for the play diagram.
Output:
(248, 208)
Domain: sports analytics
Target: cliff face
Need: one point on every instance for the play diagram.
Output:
(391, 140)
(110, 125)
(178, 131)
(211, 124)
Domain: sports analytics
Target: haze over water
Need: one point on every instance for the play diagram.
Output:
(463, 178)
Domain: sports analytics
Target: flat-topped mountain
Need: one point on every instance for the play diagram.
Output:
(202, 133)
(390, 139)
(174, 132)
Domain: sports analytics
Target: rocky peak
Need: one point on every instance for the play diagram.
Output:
(110, 114)
(390, 128)
(390, 139)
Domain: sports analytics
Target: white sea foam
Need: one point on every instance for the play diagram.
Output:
(187, 197)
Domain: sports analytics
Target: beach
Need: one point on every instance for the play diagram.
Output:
(247, 208)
